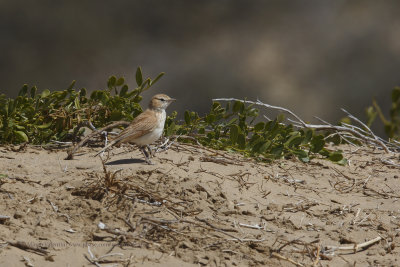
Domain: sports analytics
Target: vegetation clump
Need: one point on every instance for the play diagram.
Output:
(40, 118)
(391, 124)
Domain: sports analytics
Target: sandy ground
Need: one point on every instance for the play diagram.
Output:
(196, 208)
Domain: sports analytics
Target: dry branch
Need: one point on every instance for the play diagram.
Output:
(279, 256)
(355, 248)
(97, 260)
(366, 135)
(72, 151)
(220, 160)
(28, 247)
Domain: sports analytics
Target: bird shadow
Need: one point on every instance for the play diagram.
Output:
(125, 161)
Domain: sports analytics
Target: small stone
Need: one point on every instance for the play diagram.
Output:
(275, 207)
(248, 213)
(18, 215)
(230, 205)
(185, 245)
(203, 261)
(45, 223)
(203, 195)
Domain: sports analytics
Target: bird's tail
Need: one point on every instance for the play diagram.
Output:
(106, 147)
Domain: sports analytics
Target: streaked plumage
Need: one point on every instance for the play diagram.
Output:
(145, 128)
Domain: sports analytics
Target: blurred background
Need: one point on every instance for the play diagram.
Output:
(312, 57)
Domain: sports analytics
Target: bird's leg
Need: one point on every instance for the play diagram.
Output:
(151, 152)
(146, 155)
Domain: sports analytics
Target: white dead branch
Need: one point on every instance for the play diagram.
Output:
(363, 133)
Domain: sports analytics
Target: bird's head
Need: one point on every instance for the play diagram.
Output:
(160, 101)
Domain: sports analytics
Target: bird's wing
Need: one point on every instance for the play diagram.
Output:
(141, 125)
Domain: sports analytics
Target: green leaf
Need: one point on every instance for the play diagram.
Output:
(45, 126)
(23, 90)
(120, 81)
(210, 135)
(324, 152)
(216, 106)
(396, 94)
(233, 133)
(241, 140)
(259, 126)
(157, 78)
(371, 115)
(210, 118)
(277, 151)
(82, 92)
(273, 129)
(302, 155)
(265, 146)
(345, 120)
(187, 117)
(111, 82)
(116, 115)
(137, 98)
(281, 117)
(103, 97)
(308, 134)
(21, 136)
(335, 156)
(342, 162)
(71, 85)
(145, 85)
(317, 143)
(33, 91)
(234, 120)
(253, 112)
(76, 102)
(237, 106)
(139, 76)
(94, 95)
(11, 107)
(294, 140)
(171, 129)
(45, 93)
(124, 90)
(334, 139)
(255, 139)
(255, 144)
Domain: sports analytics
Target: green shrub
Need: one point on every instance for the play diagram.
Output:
(58, 116)
(41, 118)
(391, 125)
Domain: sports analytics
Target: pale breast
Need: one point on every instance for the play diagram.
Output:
(152, 136)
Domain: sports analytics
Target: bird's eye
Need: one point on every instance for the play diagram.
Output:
(162, 99)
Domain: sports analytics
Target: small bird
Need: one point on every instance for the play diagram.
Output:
(146, 128)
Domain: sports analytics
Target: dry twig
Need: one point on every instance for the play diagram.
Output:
(72, 151)
(367, 136)
(279, 256)
(28, 247)
(355, 248)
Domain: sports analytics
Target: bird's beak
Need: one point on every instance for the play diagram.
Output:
(172, 100)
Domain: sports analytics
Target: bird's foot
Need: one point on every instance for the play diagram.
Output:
(146, 155)
(148, 161)
(151, 151)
